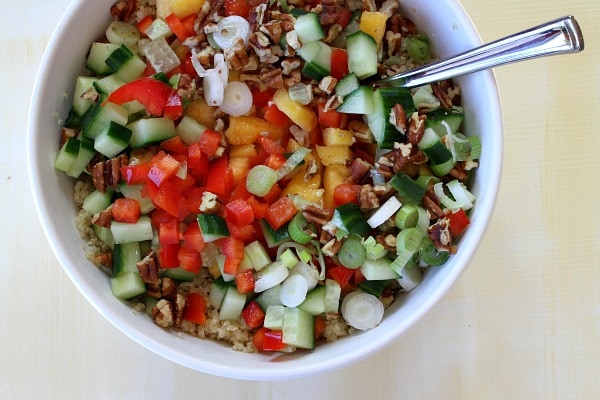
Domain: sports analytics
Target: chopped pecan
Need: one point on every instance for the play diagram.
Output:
(295, 77)
(459, 172)
(332, 103)
(393, 41)
(358, 168)
(432, 203)
(312, 167)
(168, 287)
(162, 314)
(440, 235)
(201, 17)
(123, 10)
(327, 84)
(291, 38)
(317, 215)
(103, 218)
(287, 22)
(180, 303)
(416, 128)
(442, 95)
(332, 247)
(66, 134)
(288, 65)
(330, 12)
(103, 259)
(148, 269)
(325, 236)
(389, 7)
(400, 24)
(107, 173)
(333, 32)
(369, 5)
(237, 55)
(398, 118)
(367, 198)
(272, 78)
(388, 241)
(273, 30)
(360, 131)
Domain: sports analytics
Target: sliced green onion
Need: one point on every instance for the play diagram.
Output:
(352, 254)
(409, 240)
(362, 310)
(407, 216)
(374, 250)
(424, 219)
(462, 197)
(410, 277)
(260, 180)
(229, 29)
(292, 162)
(402, 260)
(271, 276)
(418, 48)
(426, 180)
(430, 255)
(298, 229)
(309, 272)
(237, 99)
(293, 290)
(475, 147)
(385, 212)
(443, 168)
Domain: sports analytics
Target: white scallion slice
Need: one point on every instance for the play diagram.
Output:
(260, 180)
(309, 272)
(271, 276)
(462, 197)
(384, 212)
(229, 29)
(292, 162)
(293, 290)
(237, 99)
(214, 90)
(362, 310)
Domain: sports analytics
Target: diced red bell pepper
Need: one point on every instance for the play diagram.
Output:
(174, 145)
(280, 212)
(344, 16)
(209, 142)
(193, 199)
(198, 163)
(168, 255)
(173, 107)
(346, 193)
(220, 177)
(237, 7)
(320, 325)
(339, 63)
(245, 233)
(152, 93)
(253, 315)
(144, 23)
(233, 249)
(188, 22)
(259, 209)
(162, 167)
(341, 275)
(239, 212)
(167, 198)
(266, 339)
(240, 191)
(192, 237)
(177, 27)
(273, 194)
(244, 282)
(271, 146)
(182, 184)
(459, 220)
(126, 210)
(275, 161)
(189, 259)
(275, 116)
(329, 118)
(261, 98)
(157, 216)
(135, 174)
(168, 231)
(196, 309)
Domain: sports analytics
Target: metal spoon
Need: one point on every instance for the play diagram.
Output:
(560, 36)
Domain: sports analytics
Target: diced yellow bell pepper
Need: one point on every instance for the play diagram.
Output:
(181, 8)
(301, 115)
(335, 154)
(333, 176)
(309, 190)
(247, 129)
(337, 137)
(242, 150)
(373, 23)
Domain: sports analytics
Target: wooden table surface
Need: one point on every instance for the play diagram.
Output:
(523, 322)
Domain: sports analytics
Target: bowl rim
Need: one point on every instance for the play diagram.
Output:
(284, 370)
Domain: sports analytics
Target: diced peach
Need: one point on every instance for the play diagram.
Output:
(246, 129)
(301, 115)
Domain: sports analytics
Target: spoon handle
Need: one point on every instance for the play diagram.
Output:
(560, 36)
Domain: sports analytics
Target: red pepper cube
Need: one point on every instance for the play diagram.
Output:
(244, 282)
(196, 309)
(239, 212)
(253, 315)
(168, 232)
(233, 249)
(220, 177)
(168, 255)
(135, 174)
(280, 212)
(209, 142)
(189, 259)
(192, 237)
(126, 210)
(167, 198)
(162, 167)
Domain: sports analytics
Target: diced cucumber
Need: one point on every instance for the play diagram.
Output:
(317, 57)
(82, 85)
(124, 232)
(96, 61)
(220, 259)
(439, 155)
(362, 54)
(135, 192)
(104, 234)
(375, 288)
(423, 97)
(158, 29)
(126, 65)
(213, 227)
(127, 286)
(360, 101)
(125, 258)
(179, 274)
(409, 191)
(67, 154)
(377, 270)
(150, 131)
(98, 117)
(315, 301)
(308, 28)
(288, 258)
(453, 118)
(350, 219)
(189, 130)
(113, 139)
(273, 237)
(298, 328)
(108, 84)
(149, 304)
(232, 305)
(218, 289)
(274, 317)
(84, 156)
(269, 297)
(333, 292)
(257, 254)
(384, 99)
(98, 201)
(347, 85)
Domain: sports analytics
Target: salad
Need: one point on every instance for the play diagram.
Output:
(239, 178)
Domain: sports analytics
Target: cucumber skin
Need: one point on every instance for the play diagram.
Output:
(384, 99)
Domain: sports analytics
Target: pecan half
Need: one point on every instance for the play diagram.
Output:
(107, 173)
(432, 204)
(416, 128)
(398, 118)
(439, 233)
(272, 78)
(442, 95)
(162, 314)
(317, 215)
(237, 55)
(103, 218)
(123, 10)
(332, 247)
(367, 198)
(148, 269)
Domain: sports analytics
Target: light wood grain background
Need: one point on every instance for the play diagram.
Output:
(523, 322)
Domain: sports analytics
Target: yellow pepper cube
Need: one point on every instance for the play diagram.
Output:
(301, 115)
(334, 154)
(247, 129)
(337, 137)
(373, 23)
(333, 176)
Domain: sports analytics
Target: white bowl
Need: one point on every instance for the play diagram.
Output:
(450, 30)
